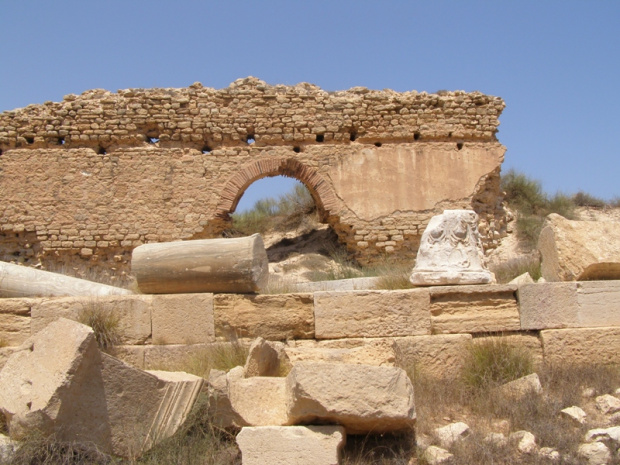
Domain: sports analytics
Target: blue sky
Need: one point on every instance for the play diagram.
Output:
(555, 63)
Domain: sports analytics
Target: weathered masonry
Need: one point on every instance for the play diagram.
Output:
(95, 175)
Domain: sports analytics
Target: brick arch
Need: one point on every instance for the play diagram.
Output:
(321, 191)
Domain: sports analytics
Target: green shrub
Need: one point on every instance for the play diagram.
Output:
(523, 193)
(583, 199)
(105, 323)
(494, 361)
(562, 205)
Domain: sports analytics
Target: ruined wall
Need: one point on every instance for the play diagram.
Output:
(96, 175)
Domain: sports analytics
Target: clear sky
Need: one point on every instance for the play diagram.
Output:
(556, 63)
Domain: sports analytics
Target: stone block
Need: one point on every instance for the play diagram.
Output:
(183, 319)
(58, 382)
(378, 352)
(132, 355)
(134, 313)
(440, 356)
(581, 346)
(291, 445)
(14, 321)
(362, 398)
(262, 360)
(473, 309)
(273, 317)
(172, 357)
(259, 401)
(220, 410)
(371, 313)
(570, 305)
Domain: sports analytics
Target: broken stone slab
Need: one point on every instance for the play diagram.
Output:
(524, 386)
(291, 445)
(454, 432)
(579, 250)
(220, 410)
(22, 281)
(451, 252)
(259, 401)
(575, 414)
(607, 403)
(262, 360)
(362, 398)
(238, 265)
(58, 382)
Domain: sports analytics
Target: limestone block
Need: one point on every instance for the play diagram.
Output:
(579, 250)
(595, 453)
(362, 398)
(291, 445)
(172, 357)
(14, 321)
(451, 251)
(134, 313)
(607, 403)
(262, 360)
(472, 309)
(79, 394)
(378, 352)
(525, 441)
(183, 319)
(273, 317)
(441, 356)
(132, 355)
(259, 401)
(434, 455)
(570, 305)
(371, 313)
(611, 434)
(5, 353)
(220, 410)
(581, 346)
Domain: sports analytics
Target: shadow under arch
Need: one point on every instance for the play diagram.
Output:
(320, 190)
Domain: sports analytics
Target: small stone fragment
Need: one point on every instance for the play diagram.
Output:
(575, 413)
(526, 442)
(596, 453)
(588, 392)
(497, 439)
(522, 387)
(549, 453)
(604, 434)
(452, 433)
(7, 448)
(436, 456)
(608, 404)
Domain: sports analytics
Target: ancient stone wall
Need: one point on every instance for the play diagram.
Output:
(95, 175)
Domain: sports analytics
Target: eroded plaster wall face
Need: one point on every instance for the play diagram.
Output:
(83, 179)
(375, 182)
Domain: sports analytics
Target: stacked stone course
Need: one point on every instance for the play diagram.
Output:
(95, 175)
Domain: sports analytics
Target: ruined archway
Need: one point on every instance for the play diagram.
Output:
(321, 191)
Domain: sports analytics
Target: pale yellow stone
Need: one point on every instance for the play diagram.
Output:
(183, 319)
(371, 313)
(173, 357)
(440, 356)
(579, 250)
(362, 398)
(474, 309)
(570, 305)
(291, 445)
(273, 317)
(262, 360)
(134, 313)
(581, 346)
(378, 352)
(14, 321)
(259, 401)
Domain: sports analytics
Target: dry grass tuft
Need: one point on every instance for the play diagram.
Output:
(507, 271)
(105, 323)
(221, 356)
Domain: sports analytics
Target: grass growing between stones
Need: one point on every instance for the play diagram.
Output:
(510, 269)
(222, 356)
(105, 323)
